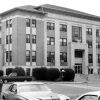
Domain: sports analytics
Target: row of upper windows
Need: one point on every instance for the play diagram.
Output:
(51, 26)
(9, 56)
(51, 41)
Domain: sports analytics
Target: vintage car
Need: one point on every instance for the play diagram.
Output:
(29, 91)
(94, 95)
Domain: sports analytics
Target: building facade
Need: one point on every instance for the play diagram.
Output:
(50, 36)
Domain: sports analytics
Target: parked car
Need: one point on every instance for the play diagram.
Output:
(94, 95)
(29, 91)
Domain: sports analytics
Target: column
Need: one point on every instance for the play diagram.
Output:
(57, 44)
(45, 43)
(84, 33)
(69, 40)
(94, 48)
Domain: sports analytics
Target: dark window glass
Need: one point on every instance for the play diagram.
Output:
(51, 57)
(89, 44)
(33, 38)
(27, 38)
(27, 56)
(27, 22)
(89, 31)
(76, 34)
(33, 56)
(63, 42)
(63, 28)
(98, 58)
(63, 56)
(90, 58)
(50, 26)
(7, 39)
(33, 23)
(7, 56)
(51, 41)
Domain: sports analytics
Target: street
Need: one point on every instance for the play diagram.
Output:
(73, 90)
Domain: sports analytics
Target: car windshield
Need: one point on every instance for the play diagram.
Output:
(33, 88)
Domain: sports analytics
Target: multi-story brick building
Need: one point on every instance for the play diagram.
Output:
(50, 36)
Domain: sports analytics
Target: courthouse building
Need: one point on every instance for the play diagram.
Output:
(50, 36)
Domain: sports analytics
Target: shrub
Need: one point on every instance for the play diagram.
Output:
(9, 70)
(68, 74)
(1, 72)
(52, 74)
(39, 73)
(19, 70)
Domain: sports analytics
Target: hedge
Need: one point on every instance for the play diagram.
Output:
(52, 74)
(39, 73)
(68, 74)
(9, 70)
(19, 70)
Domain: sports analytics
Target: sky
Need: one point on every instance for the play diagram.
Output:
(87, 6)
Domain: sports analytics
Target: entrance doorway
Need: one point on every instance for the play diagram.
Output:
(78, 68)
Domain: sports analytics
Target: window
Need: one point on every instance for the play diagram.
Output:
(50, 40)
(34, 39)
(33, 23)
(63, 57)
(33, 56)
(98, 45)
(89, 31)
(8, 56)
(0, 40)
(51, 57)
(27, 22)
(63, 42)
(9, 23)
(97, 32)
(7, 39)
(50, 26)
(63, 28)
(90, 58)
(76, 34)
(10, 38)
(78, 53)
(98, 58)
(27, 38)
(27, 56)
(89, 44)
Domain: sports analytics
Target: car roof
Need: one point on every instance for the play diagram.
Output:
(93, 93)
(23, 83)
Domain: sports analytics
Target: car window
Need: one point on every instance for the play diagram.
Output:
(89, 97)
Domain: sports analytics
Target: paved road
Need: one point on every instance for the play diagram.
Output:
(73, 90)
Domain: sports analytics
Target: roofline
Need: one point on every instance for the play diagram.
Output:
(68, 13)
(15, 9)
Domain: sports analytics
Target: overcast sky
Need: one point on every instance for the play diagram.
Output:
(88, 6)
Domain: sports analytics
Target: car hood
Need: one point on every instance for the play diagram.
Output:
(40, 95)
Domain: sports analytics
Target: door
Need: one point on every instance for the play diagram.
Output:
(78, 68)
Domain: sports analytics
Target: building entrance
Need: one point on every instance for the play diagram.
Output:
(78, 68)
